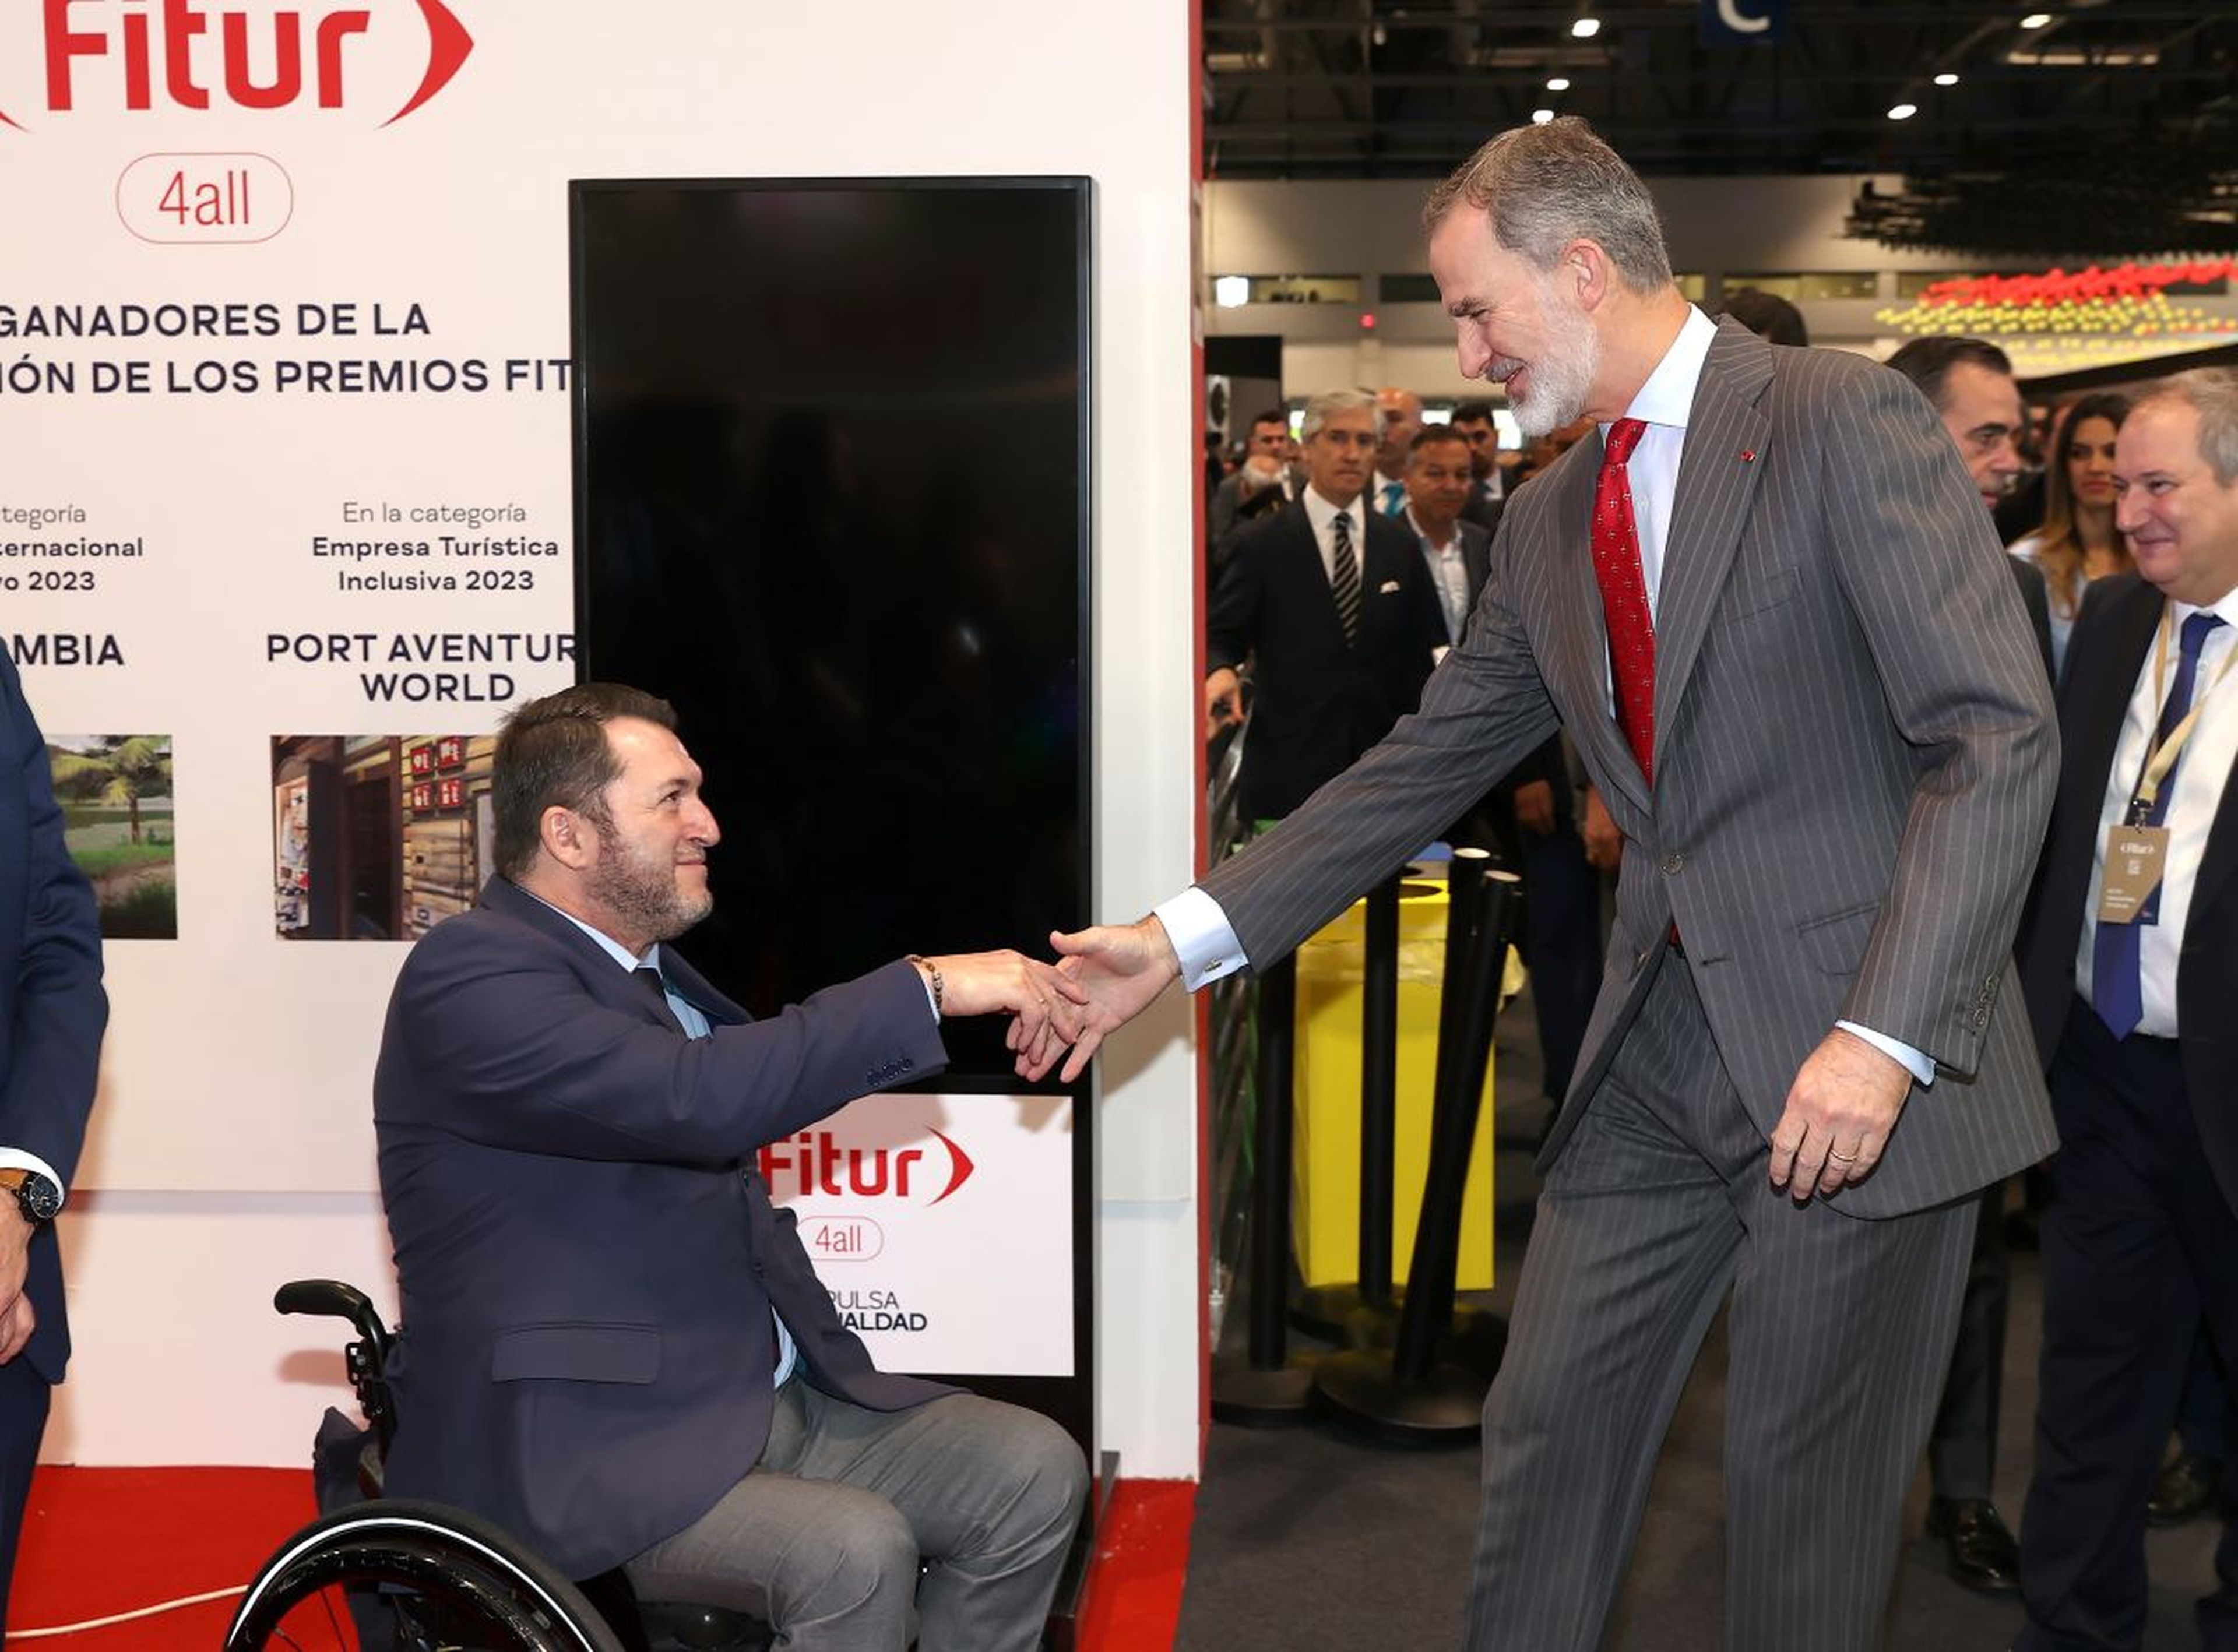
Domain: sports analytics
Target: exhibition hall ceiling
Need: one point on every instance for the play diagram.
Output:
(1368, 87)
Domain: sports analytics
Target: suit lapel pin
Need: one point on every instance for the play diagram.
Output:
(1748, 455)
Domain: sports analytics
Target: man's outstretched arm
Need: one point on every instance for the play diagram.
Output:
(1123, 968)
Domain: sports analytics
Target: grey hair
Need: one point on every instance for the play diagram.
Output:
(2212, 392)
(1338, 401)
(1544, 187)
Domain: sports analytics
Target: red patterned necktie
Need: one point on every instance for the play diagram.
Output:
(1624, 596)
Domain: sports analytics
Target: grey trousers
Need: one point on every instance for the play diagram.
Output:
(823, 1538)
(1841, 1331)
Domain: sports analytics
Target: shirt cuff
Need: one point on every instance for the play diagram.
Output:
(1202, 939)
(1918, 1065)
(17, 1159)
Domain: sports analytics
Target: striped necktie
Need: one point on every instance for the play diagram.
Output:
(1344, 578)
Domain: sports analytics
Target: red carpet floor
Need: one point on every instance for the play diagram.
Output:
(102, 1542)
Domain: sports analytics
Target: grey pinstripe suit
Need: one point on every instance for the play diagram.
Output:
(1855, 759)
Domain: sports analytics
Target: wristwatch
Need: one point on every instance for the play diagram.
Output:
(35, 1196)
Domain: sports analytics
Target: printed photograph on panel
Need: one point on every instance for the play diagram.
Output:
(115, 790)
(377, 836)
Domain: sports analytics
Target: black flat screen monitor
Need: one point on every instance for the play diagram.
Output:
(832, 502)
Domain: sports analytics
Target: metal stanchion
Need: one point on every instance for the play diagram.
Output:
(1379, 1090)
(1479, 1331)
(1268, 1387)
(1410, 1394)
(1363, 1313)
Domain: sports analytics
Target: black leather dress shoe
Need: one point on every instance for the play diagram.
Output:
(1982, 1555)
(2185, 1490)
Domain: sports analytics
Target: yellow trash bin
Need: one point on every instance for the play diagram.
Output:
(1326, 1203)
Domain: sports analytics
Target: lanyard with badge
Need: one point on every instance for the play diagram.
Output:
(2136, 850)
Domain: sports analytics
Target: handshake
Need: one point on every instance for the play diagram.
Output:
(1103, 978)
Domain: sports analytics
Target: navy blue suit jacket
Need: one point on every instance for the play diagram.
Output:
(586, 1255)
(2113, 635)
(56, 1010)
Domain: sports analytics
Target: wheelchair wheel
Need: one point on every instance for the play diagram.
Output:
(417, 1577)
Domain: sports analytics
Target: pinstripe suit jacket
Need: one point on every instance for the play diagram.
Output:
(1854, 754)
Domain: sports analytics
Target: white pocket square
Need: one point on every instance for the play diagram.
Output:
(1386, 587)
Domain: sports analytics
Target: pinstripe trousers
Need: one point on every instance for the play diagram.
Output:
(1841, 1330)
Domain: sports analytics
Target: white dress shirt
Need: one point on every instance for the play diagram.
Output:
(1202, 936)
(1449, 569)
(2200, 773)
(18, 1158)
(1323, 515)
(1663, 403)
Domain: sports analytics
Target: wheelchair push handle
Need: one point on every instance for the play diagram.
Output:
(335, 1300)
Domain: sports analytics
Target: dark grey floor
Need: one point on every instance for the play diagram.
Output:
(1314, 1537)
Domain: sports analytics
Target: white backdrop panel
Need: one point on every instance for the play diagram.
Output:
(238, 1065)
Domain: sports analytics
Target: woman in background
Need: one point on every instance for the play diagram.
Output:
(2077, 542)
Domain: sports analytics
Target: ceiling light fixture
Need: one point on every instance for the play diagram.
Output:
(1946, 78)
(1585, 28)
(1540, 116)
(1903, 111)
(2052, 56)
(2036, 20)
(1558, 84)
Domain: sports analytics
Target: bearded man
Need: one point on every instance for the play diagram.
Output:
(1765, 602)
(613, 1346)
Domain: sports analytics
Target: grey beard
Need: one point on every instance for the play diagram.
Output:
(1560, 381)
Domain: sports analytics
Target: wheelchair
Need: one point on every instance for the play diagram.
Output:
(387, 1575)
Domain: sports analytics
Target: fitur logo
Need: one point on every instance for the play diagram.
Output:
(817, 1162)
(168, 55)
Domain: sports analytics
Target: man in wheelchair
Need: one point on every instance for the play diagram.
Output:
(613, 1346)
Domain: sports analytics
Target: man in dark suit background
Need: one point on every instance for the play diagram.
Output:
(1475, 422)
(1456, 553)
(613, 1345)
(50, 1059)
(1264, 482)
(1330, 603)
(1529, 816)
(2129, 959)
(1767, 602)
(1970, 382)
(1399, 413)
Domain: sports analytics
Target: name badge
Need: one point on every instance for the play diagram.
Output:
(2136, 857)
